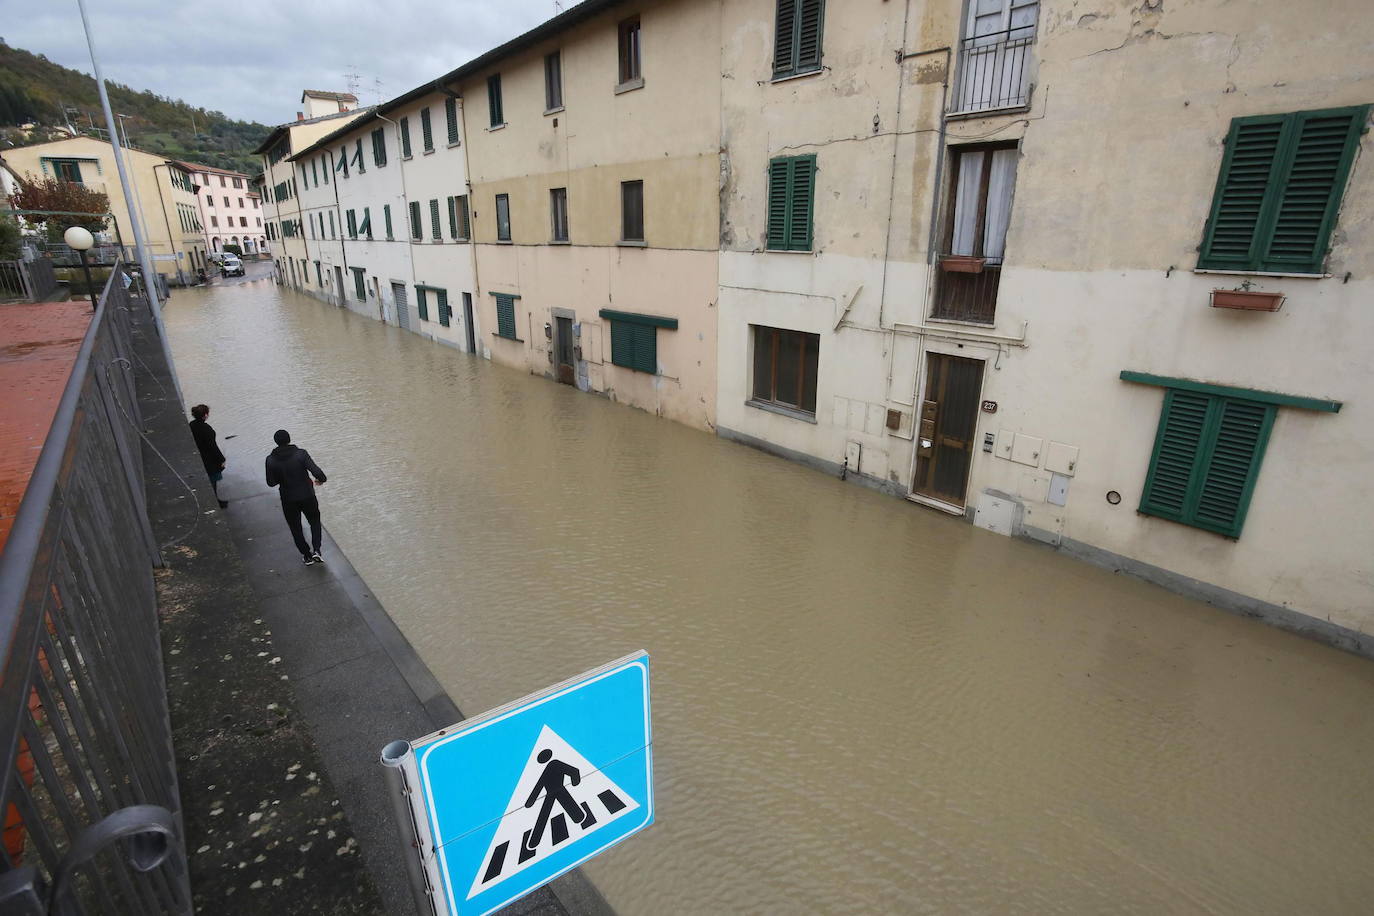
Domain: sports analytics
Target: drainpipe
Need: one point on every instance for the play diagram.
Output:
(472, 233)
(405, 200)
(162, 202)
(892, 176)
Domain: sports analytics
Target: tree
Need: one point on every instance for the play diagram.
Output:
(54, 194)
(9, 239)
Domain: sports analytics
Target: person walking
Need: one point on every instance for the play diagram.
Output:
(210, 455)
(292, 469)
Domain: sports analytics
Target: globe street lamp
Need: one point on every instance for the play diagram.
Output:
(80, 241)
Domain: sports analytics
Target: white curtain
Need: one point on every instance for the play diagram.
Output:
(1001, 184)
(966, 202)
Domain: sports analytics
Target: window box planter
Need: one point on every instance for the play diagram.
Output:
(1252, 300)
(962, 264)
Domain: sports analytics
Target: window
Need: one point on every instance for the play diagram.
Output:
(558, 212)
(634, 339)
(435, 228)
(331, 224)
(451, 117)
(319, 275)
(505, 315)
(464, 218)
(358, 156)
(426, 131)
(982, 182)
(632, 211)
(629, 51)
(240, 203)
(1279, 190)
(326, 167)
(214, 220)
(209, 200)
(379, 147)
(359, 283)
(441, 306)
(258, 220)
(405, 137)
(791, 194)
(797, 37)
(221, 184)
(243, 221)
(417, 229)
(494, 100)
(226, 200)
(365, 227)
(255, 202)
(993, 69)
(351, 218)
(421, 304)
(553, 81)
(238, 182)
(503, 217)
(1206, 458)
(785, 365)
(386, 215)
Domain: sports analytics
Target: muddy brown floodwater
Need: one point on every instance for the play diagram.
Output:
(860, 705)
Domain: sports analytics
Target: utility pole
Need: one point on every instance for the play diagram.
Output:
(140, 235)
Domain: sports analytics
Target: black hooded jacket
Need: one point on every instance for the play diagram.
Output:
(210, 454)
(292, 468)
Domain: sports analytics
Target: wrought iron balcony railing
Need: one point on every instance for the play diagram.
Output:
(994, 71)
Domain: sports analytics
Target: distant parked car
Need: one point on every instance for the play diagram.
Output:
(232, 266)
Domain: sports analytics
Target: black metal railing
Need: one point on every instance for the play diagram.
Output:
(994, 71)
(961, 296)
(92, 817)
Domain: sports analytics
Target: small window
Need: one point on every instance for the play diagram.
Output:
(386, 217)
(421, 303)
(359, 283)
(451, 116)
(1279, 190)
(238, 182)
(494, 100)
(441, 305)
(785, 364)
(797, 37)
(791, 191)
(503, 217)
(634, 339)
(629, 51)
(243, 221)
(464, 218)
(426, 131)
(553, 81)
(221, 181)
(505, 315)
(405, 137)
(632, 211)
(1206, 459)
(435, 227)
(558, 213)
(379, 147)
(351, 219)
(417, 229)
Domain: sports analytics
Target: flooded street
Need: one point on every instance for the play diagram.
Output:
(860, 705)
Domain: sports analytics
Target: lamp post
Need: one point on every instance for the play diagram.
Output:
(80, 240)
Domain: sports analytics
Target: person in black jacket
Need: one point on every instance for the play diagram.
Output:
(291, 468)
(210, 455)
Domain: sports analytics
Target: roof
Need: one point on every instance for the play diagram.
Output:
(336, 96)
(103, 142)
(560, 23)
(208, 168)
(281, 129)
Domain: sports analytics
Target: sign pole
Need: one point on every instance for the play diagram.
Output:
(394, 757)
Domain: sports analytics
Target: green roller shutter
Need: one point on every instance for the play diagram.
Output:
(426, 132)
(1279, 190)
(791, 192)
(1206, 459)
(451, 115)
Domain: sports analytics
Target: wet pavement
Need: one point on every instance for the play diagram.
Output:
(861, 705)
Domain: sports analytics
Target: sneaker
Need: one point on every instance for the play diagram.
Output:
(316, 557)
(224, 504)
(308, 561)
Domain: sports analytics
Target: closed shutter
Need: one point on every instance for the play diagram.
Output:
(778, 173)
(451, 114)
(494, 99)
(808, 35)
(426, 132)
(421, 303)
(386, 215)
(784, 39)
(797, 36)
(417, 229)
(444, 311)
(505, 315)
(359, 284)
(435, 228)
(1279, 190)
(799, 219)
(326, 168)
(634, 344)
(453, 217)
(1206, 460)
(622, 344)
(379, 147)
(405, 137)
(464, 218)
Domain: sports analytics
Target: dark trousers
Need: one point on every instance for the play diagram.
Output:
(292, 509)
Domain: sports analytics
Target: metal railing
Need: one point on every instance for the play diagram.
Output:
(85, 740)
(963, 296)
(994, 71)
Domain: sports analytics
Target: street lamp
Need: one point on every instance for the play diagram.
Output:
(80, 241)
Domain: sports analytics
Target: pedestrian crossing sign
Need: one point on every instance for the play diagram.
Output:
(507, 801)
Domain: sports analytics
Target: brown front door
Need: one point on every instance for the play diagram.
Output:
(947, 424)
(563, 350)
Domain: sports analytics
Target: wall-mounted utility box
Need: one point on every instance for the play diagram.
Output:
(1061, 458)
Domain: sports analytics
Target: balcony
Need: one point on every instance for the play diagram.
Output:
(967, 295)
(994, 71)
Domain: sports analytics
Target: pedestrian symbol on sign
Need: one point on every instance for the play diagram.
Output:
(558, 795)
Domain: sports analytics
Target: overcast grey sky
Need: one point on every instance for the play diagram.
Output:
(251, 59)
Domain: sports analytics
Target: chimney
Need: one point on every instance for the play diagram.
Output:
(300, 116)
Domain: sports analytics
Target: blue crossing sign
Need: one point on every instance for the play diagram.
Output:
(507, 801)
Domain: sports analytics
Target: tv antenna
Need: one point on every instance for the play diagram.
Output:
(351, 80)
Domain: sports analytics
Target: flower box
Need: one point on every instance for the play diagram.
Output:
(1252, 300)
(962, 264)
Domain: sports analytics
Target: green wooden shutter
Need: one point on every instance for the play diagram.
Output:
(778, 203)
(421, 306)
(417, 229)
(435, 227)
(1323, 147)
(784, 38)
(1177, 444)
(359, 284)
(453, 217)
(622, 344)
(326, 170)
(505, 315)
(801, 195)
(343, 162)
(405, 137)
(1242, 186)
(809, 16)
(386, 214)
(444, 310)
(1232, 464)
(426, 131)
(451, 113)
(365, 227)
(494, 99)
(645, 348)
(464, 218)
(358, 157)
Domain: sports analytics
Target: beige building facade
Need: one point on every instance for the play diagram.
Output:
(164, 191)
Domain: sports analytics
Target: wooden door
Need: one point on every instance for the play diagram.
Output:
(471, 329)
(563, 350)
(948, 423)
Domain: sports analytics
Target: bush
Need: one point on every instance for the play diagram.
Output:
(232, 249)
(9, 239)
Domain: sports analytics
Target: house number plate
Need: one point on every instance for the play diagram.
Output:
(989, 407)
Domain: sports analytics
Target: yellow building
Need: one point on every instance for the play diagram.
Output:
(162, 188)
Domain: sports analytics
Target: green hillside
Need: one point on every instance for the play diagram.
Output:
(34, 89)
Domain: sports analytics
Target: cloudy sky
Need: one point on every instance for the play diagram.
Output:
(250, 59)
